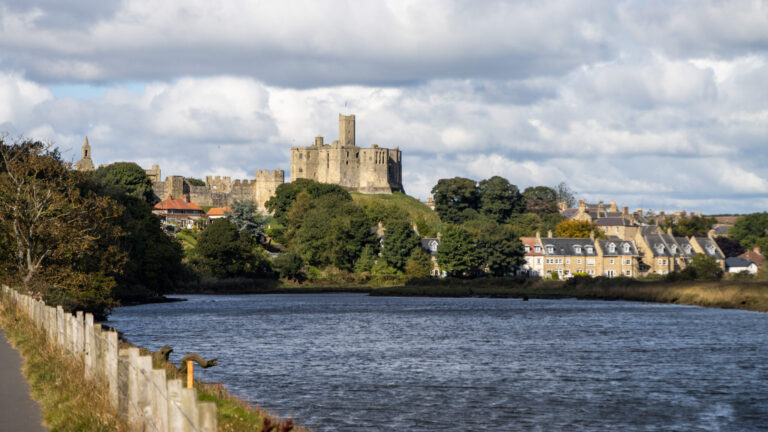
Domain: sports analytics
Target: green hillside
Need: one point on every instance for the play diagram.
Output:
(398, 205)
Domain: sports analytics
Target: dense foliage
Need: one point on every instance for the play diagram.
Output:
(577, 229)
(247, 217)
(694, 225)
(224, 251)
(751, 230)
(78, 240)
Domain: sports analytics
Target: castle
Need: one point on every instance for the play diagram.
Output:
(366, 170)
(218, 191)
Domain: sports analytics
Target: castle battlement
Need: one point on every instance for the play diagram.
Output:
(368, 170)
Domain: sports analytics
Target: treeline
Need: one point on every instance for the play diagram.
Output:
(82, 241)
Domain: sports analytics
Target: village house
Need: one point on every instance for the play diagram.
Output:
(740, 265)
(179, 212)
(430, 246)
(534, 257)
(217, 212)
(755, 255)
(568, 256)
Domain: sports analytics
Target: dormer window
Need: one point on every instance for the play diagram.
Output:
(433, 245)
(627, 248)
(537, 248)
(660, 248)
(550, 249)
(577, 249)
(711, 249)
(687, 249)
(527, 249)
(673, 249)
(611, 248)
(589, 249)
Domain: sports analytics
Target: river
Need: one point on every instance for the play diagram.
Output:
(350, 362)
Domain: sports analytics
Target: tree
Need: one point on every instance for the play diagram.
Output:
(501, 252)
(703, 267)
(540, 200)
(367, 259)
(333, 231)
(453, 196)
(224, 251)
(751, 230)
(565, 194)
(194, 181)
(398, 243)
(527, 224)
(499, 199)
(729, 246)
(690, 226)
(128, 176)
(457, 254)
(58, 233)
(286, 193)
(247, 217)
(290, 266)
(577, 229)
(419, 264)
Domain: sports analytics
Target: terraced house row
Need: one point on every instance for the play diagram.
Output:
(649, 251)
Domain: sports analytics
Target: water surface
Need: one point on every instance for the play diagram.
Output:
(350, 362)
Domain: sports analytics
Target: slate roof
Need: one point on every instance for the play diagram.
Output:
(569, 212)
(710, 247)
(567, 246)
(662, 245)
(737, 262)
(685, 246)
(612, 221)
(619, 247)
(430, 245)
(721, 230)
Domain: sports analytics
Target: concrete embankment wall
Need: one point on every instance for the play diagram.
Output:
(143, 395)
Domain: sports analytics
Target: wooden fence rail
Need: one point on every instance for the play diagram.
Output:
(143, 395)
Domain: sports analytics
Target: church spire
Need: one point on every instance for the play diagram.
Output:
(85, 163)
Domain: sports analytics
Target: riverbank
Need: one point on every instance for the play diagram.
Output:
(747, 295)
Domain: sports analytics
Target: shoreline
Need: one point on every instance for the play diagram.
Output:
(749, 295)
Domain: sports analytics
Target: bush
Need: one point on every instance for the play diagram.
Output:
(290, 266)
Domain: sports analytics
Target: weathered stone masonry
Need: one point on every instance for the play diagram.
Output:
(366, 170)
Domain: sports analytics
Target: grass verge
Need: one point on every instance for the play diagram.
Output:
(68, 402)
(747, 295)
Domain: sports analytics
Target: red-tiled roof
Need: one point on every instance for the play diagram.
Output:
(171, 203)
(218, 211)
(753, 256)
(531, 242)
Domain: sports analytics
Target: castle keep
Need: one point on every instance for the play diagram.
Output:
(366, 170)
(218, 191)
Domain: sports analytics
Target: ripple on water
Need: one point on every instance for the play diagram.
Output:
(351, 362)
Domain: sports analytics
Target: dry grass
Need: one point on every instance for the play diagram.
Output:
(69, 402)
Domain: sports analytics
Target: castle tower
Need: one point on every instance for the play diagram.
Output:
(347, 130)
(85, 163)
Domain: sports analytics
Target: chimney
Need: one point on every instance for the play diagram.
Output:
(684, 213)
(549, 234)
(757, 249)
(538, 235)
(613, 207)
(592, 235)
(625, 211)
(582, 206)
(669, 230)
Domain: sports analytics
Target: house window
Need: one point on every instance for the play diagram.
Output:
(538, 261)
(537, 248)
(577, 248)
(527, 249)
(550, 249)
(567, 260)
(590, 272)
(578, 260)
(612, 261)
(627, 272)
(626, 247)
(589, 249)
(617, 230)
(611, 248)
(567, 272)
(627, 262)
(590, 261)
(610, 273)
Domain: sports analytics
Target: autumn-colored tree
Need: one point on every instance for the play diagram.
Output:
(59, 234)
(577, 229)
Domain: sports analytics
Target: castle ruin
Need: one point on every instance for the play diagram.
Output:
(219, 191)
(367, 170)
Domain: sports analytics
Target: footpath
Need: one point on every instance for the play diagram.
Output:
(18, 412)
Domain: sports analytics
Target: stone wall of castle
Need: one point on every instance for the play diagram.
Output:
(220, 191)
(366, 170)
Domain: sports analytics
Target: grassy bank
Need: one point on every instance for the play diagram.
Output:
(747, 295)
(69, 402)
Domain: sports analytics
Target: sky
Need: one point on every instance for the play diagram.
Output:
(657, 105)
